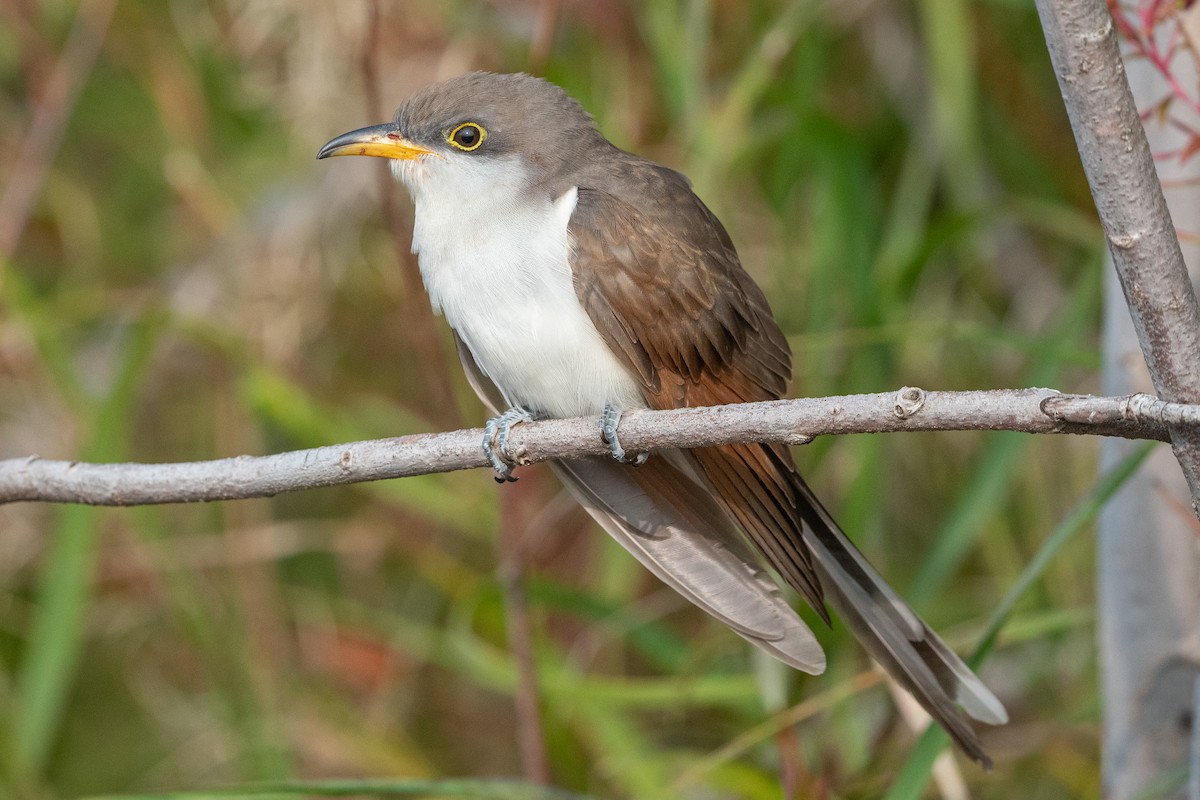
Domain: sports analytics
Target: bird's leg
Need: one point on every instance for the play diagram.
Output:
(495, 442)
(609, 420)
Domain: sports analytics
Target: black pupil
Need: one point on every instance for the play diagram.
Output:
(468, 135)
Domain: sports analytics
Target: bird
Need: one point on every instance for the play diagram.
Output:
(579, 279)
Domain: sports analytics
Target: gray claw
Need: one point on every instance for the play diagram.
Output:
(495, 442)
(609, 420)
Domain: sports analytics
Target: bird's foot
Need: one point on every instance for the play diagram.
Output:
(609, 420)
(495, 442)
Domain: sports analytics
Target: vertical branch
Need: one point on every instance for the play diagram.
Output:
(787, 743)
(1147, 565)
(423, 326)
(1081, 37)
(531, 740)
(543, 34)
(1194, 757)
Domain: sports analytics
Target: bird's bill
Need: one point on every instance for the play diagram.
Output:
(378, 140)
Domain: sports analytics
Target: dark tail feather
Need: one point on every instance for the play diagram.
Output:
(895, 636)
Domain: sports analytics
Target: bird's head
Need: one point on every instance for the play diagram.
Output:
(477, 126)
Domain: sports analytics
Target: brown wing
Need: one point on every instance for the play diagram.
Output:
(721, 345)
(663, 285)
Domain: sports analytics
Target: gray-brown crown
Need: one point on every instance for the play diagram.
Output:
(521, 114)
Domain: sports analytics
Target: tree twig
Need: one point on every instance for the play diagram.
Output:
(790, 421)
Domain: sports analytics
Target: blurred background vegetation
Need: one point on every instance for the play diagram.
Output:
(181, 280)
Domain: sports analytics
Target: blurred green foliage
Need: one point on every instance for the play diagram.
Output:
(899, 176)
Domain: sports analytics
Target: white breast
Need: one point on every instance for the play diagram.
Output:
(495, 263)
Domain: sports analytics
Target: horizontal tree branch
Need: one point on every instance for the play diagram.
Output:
(788, 421)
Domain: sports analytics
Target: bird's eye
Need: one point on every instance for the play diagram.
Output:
(467, 136)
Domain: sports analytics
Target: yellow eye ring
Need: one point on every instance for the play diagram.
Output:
(467, 137)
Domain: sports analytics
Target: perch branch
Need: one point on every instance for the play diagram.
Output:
(789, 421)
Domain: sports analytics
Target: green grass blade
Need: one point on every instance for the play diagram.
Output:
(914, 775)
(56, 633)
(1083, 513)
(1000, 462)
(467, 789)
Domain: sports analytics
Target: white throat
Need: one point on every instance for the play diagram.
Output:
(495, 261)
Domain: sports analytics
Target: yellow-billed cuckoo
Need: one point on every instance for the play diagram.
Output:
(581, 280)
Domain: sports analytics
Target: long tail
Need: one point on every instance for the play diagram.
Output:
(895, 636)
(758, 485)
(667, 516)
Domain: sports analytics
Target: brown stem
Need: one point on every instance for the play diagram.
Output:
(531, 739)
(50, 114)
(442, 406)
